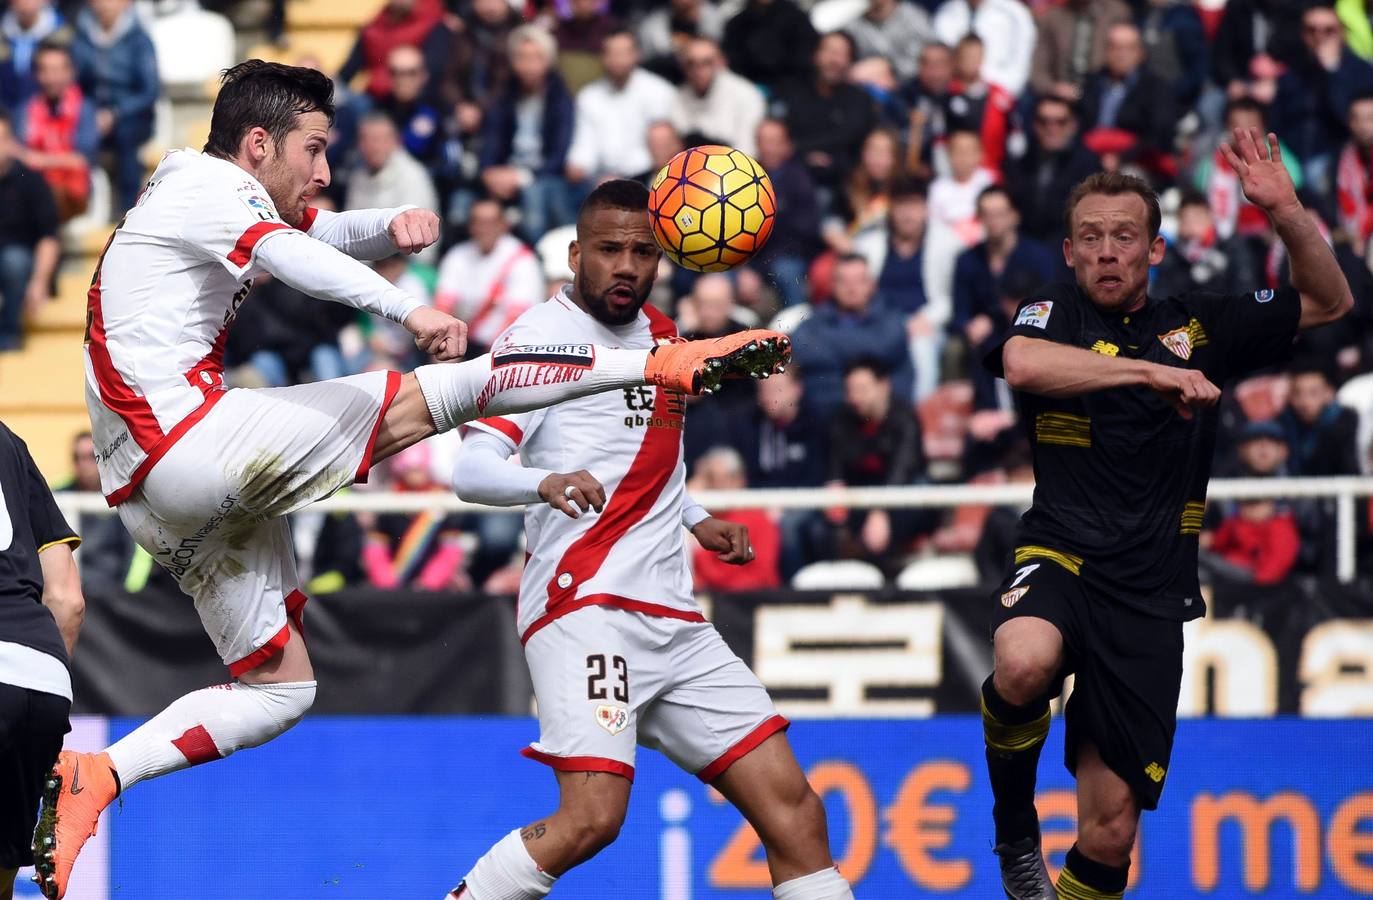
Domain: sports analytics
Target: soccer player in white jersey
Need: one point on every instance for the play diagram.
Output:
(203, 476)
(616, 644)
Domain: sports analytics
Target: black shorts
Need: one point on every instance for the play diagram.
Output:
(1128, 667)
(32, 724)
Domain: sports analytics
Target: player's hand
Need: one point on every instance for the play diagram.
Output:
(1185, 389)
(437, 333)
(1258, 162)
(413, 230)
(573, 493)
(728, 540)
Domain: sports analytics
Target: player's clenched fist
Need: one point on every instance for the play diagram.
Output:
(1186, 389)
(729, 540)
(437, 333)
(573, 493)
(413, 230)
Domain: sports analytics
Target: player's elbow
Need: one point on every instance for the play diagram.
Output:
(1018, 363)
(67, 605)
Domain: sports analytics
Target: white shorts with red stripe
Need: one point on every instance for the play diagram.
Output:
(212, 509)
(607, 679)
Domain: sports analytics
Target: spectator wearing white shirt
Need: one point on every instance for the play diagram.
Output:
(715, 103)
(1008, 36)
(896, 30)
(614, 113)
(388, 175)
(488, 280)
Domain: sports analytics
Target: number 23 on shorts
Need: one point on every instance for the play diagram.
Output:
(596, 678)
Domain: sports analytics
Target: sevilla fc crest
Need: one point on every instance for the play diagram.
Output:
(1179, 341)
(1012, 597)
(612, 718)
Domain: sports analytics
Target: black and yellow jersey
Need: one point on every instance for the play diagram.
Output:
(1120, 476)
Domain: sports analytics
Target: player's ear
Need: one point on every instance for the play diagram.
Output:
(257, 144)
(1156, 249)
(1068, 251)
(574, 256)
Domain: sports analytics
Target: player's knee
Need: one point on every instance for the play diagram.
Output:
(794, 817)
(1022, 677)
(595, 828)
(1109, 835)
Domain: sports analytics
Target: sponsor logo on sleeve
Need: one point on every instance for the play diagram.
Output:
(259, 206)
(612, 718)
(582, 356)
(1036, 314)
(1263, 296)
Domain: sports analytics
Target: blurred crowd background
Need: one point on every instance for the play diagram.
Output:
(920, 152)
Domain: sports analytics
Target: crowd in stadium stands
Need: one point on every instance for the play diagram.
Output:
(920, 153)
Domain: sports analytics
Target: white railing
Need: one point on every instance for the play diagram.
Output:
(1344, 490)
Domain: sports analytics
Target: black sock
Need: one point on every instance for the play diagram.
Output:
(1087, 879)
(1014, 736)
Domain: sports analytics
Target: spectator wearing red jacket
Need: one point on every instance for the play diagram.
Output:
(400, 23)
(722, 469)
(58, 130)
(1260, 538)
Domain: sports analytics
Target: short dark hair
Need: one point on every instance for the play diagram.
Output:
(1193, 197)
(617, 193)
(1244, 104)
(877, 367)
(995, 190)
(908, 189)
(845, 37)
(1061, 101)
(1114, 184)
(268, 95)
(622, 32)
(50, 45)
(1360, 97)
(1312, 365)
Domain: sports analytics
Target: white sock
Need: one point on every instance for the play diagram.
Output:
(507, 872)
(827, 884)
(209, 724)
(525, 378)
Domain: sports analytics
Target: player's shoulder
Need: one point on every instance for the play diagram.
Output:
(1051, 299)
(546, 321)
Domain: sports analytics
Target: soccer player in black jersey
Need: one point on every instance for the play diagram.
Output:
(1117, 391)
(40, 613)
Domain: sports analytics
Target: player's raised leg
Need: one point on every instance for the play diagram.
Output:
(769, 788)
(1015, 722)
(517, 379)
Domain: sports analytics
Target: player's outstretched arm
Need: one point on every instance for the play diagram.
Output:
(62, 591)
(317, 269)
(376, 233)
(1051, 369)
(1325, 294)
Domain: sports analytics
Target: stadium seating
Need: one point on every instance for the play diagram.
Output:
(839, 575)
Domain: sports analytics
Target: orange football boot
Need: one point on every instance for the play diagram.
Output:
(698, 367)
(78, 790)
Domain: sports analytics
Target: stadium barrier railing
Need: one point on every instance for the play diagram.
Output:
(1344, 491)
